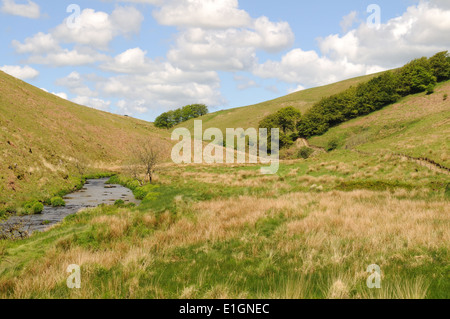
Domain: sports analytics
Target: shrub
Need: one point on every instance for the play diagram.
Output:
(430, 89)
(31, 207)
(445, 97)
(57, 202)
(305, 152)
(37, 208)
(332, 145)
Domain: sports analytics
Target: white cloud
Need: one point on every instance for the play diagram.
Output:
(40, 43)
(97, 29)
(298, 88)
(349, 20)
(132, 107)
(126, 20)
(23, 73)
(231, 49)
(155, 86)
(130, 61)
(29, 10)
(270, 36)
(167, 87)
(213, 35)
(162, 90)
(199, 49)
(75, 82)
(95, 103)
(422, 30)
(444, 4)
(61, 95)
(202, 13)
(308, 68)
(94, 31)
(66, 57)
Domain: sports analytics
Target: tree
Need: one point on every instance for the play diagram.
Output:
(164, 121)
(170, 119)
(440, 63)
(416, 77)
(286, 120)
(148, 155)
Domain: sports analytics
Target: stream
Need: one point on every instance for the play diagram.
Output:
(94, 193)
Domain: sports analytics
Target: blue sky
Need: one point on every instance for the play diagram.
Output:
(144, 57)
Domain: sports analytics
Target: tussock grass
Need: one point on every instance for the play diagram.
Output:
(299, 245)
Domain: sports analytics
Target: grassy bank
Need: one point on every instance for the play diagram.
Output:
(44, 196)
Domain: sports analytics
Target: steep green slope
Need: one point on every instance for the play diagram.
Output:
(417, 126)
(250, 116)
(43, 139)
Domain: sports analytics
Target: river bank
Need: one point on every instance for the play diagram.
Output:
(94, 193)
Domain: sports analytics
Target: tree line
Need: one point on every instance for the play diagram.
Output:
(170, 119)
(417, 76)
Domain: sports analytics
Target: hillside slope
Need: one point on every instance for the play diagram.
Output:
(43, 137)
(417, 126)
(250, 116)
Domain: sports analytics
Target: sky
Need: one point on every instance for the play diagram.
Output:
(144, 57)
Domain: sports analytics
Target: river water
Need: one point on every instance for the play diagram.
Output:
(94, 193)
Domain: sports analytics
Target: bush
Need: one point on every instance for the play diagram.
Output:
(57, 202)
(37, 208)
(305, 152)
(332, 145)
(445, 97)
(32, 207)
(430, 89)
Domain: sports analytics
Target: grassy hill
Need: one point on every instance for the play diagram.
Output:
(43, 139)
(417, 126)
(250, 116)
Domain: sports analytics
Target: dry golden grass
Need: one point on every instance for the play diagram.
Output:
(320, 230)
